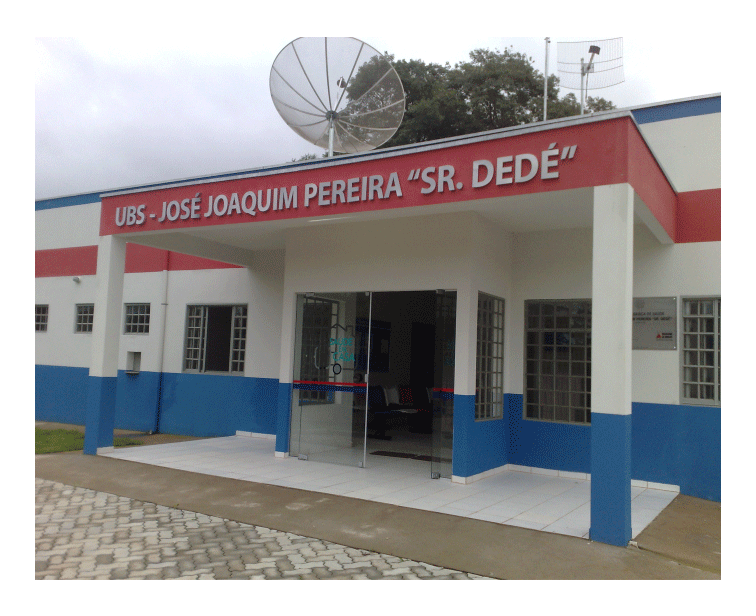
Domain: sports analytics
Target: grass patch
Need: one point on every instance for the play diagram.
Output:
(59, 440)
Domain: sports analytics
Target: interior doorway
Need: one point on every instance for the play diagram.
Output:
(374, 377)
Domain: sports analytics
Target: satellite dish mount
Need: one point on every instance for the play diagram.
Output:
(594, 50)
(606, 72)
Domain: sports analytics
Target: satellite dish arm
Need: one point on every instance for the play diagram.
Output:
(299, 94)
(356, 59)
(308, 78)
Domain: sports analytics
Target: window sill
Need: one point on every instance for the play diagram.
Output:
(216, 373)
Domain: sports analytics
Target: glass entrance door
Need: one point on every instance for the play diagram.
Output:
(328, 406)
(443, 385)
(333, 407)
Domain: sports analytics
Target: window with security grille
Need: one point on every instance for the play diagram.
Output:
(558, 361)
(215, 339)
(40, 317)
(137, 319)
(489, 364)
(84, 318)
(318, 317)
(701, 352)
(238, 338)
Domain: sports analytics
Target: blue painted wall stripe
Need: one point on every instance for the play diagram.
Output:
(672, 444)
(46, 204)
(136, 401)
(193, 404)
(217, 405)
(60, 394)
(682, 109)
(284, 416)
(545, 444)
(50, 204)
(479, 446)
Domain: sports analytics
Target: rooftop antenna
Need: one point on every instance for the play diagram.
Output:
(606, 72)
(546, 80)
(337, 93)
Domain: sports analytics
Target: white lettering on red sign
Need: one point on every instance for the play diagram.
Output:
(505, 170)
(521, 167)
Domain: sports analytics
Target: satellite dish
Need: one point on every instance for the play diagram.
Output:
(338, 93)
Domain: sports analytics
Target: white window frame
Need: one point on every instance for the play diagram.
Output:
(84, 322)
(489, 358)
(134, 321)
(314, 337)
(194, 358)
(544, 371)
(699, 357)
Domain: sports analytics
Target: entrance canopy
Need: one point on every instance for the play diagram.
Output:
(526, 179)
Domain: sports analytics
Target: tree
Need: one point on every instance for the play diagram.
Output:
(433, 107)
(373, 99)
(570, 106)
(493, 89)
(501, 88)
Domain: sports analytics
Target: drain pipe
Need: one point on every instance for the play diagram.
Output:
(162, 346)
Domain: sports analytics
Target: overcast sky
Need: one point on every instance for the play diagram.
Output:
(112, 112)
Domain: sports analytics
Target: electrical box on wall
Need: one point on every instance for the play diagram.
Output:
(133, 362)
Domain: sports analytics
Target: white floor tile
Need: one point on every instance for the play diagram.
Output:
(559, 504)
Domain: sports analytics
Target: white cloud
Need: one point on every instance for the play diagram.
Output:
(114, 112)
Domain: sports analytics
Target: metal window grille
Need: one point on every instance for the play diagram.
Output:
(195, 349)
(318, 318)
(40, 317)
(489, 367)
(84, 318)
(137, 319)
(558, 361)
(196, 335)
(701, 352)
(238, 338)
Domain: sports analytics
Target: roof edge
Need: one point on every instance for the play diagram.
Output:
(95, 196)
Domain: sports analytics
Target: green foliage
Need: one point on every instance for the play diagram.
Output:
(59, 440)
(304, 157)
(494, 89)
(570, 106)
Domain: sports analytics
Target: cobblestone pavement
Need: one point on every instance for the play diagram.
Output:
(83, 534)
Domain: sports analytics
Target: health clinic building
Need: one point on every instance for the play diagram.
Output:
(545, 296)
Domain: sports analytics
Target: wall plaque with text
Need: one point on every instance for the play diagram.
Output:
(655, 323)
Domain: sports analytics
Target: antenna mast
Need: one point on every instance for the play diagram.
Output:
(608, 71)
(584, 70)
(546, 81)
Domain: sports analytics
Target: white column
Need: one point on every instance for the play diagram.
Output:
(611, 361)
(464, 380)
(466, 339)
(106, 332)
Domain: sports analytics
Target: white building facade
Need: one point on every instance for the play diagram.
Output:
(546, 296)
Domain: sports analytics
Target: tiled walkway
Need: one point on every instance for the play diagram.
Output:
(538, 501)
